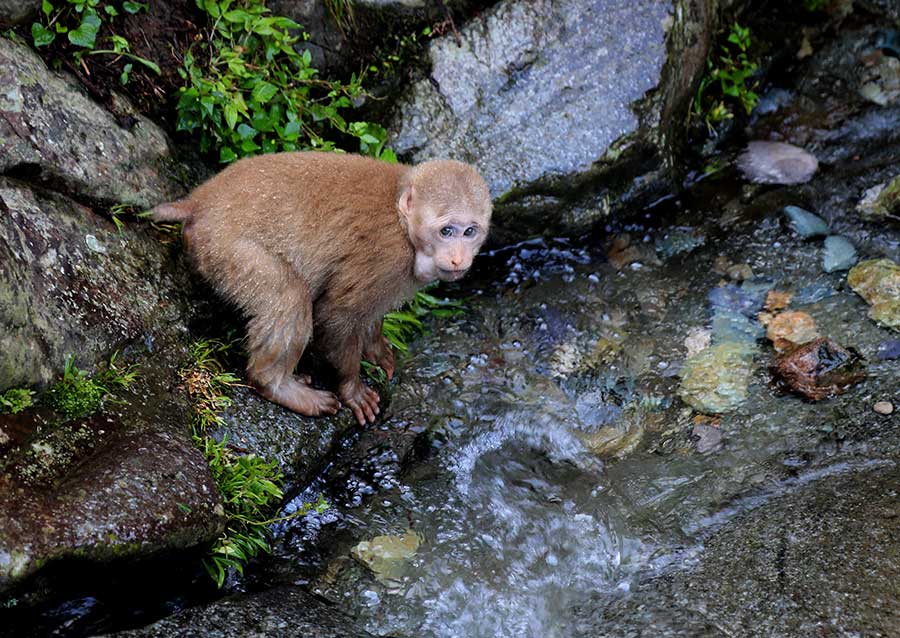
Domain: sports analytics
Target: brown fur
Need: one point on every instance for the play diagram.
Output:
(319, 246)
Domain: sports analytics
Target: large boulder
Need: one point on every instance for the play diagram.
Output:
(566, 106)
(125, 482)
(16, 11)
(51, 132)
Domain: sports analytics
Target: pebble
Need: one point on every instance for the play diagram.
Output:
(839, 254)
(883, 407)
(777, 163)
(805, 223)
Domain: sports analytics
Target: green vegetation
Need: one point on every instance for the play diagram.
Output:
(402, 325)
(727, 82)
(249, 91)
(250, 486)
(82, 21)
(15, 400)
(815, 5)
(77, 394)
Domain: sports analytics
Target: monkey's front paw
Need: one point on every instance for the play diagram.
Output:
(362, 399)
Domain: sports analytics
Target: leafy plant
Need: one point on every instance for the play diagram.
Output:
(249, 91)
(250, 486)
(402, 325)
(15, 400)
(727, 82)
(77, 394)
(82, 21)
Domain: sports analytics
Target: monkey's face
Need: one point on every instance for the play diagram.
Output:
(446, 245)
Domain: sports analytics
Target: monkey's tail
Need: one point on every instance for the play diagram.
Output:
(180, 211)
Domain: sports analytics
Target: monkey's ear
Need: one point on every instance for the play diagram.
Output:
(405, 203)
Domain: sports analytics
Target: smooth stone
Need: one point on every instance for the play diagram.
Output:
(805, 223)
(839, 254)
(883, 407)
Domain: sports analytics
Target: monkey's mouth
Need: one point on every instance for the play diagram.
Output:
(451, 275)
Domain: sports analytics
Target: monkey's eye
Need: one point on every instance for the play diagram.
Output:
(446, 231)
(468, 232)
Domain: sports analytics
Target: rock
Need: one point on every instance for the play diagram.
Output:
(387, 555)
(59, 296)
(878, 282)
(839, 254)
(709, 437)
(716, 379)
(18, 11)
(819, 369)
(678, 241)
(51, 133)
(126, 482)
(880, 82)
(275, 613)
(550, 100)
(888, 350)
(777, 300)
(697, 339)
(883, 407)
(823, 554)
(805, 223)
(881, 201)
(740, 272)
(789, 329)
(624, 252)
(777, 163)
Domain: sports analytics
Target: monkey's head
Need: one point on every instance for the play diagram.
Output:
(446, 208)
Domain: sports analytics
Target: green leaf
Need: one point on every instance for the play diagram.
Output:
(47, 7)
(86, 33)
(246, 132)
(231, 115)
(40, 35)
(226, 155)
(263, 92)
(111, 10)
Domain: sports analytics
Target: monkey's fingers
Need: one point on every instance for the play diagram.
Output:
(363, 401)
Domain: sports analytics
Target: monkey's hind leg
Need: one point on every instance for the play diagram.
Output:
(378, 350)
(278, 332)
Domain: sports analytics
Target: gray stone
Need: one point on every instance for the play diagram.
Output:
(61, 295)
(839, 254)
(805, 223)
(777, 163)
(18, 11)
(821, 561)
(542, 97)
(51, 132)
(278, 613)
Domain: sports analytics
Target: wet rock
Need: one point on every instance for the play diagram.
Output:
(823, 555)
(777, 163)
(740, 272)
(880, 80)
(777, 300)
(839, 254)
(805, 223)
(884, 407)
(52, 133)
(820, 369)
(888, 350)
(697, 339)
(878, 282)
(387, 555)
(624, 252)
(678, 241)
(18, 11)
(881, 201)
(716, 379)
(276, 613)
(58, 296)
(709, 437)
(556, 71)
(789, 329)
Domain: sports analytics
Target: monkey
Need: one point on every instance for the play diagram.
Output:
(315, 247)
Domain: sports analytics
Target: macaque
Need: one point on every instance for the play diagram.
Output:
(316, 247)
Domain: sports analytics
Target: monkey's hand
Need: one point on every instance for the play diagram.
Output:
(379, 352)
(362, 399)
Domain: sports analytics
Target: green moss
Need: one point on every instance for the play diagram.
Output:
(15, 400)
(77, 394)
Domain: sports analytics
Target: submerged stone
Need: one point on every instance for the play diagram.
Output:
(888, 350)
(386, 555)
(839, 254)
(820, 369)
(881, 201)
(805, 223)
(878, 282)
(789, 329)
(716, 379)
(777, 163)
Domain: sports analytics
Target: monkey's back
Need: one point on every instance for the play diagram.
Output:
(331, 217)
